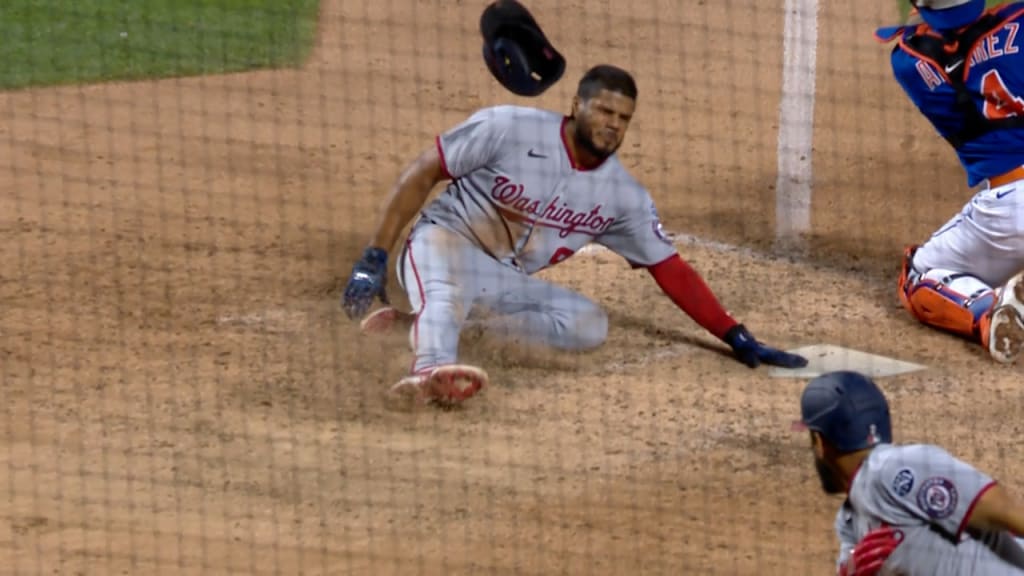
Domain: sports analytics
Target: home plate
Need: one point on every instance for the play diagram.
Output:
(822, 358)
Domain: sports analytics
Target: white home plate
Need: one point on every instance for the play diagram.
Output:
(822, 358)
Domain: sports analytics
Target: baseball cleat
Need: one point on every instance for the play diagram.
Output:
(408, 390)
(1006, 330)
(445, 386)
(383, 319)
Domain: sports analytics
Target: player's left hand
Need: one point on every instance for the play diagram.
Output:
(368, 281)
(872, 551)
(753, 353)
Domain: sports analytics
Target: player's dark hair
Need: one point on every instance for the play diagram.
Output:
(606, 77)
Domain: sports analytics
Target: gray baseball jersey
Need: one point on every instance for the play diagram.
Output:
(928, 494)
(517, 194)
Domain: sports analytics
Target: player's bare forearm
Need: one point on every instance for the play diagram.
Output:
(997, 510)
(407, 197)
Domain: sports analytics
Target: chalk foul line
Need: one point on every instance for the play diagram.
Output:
(683, 239)
(796, 119)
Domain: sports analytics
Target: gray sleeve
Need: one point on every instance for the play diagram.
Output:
(473, 143)
(637, 235)
(931, 484)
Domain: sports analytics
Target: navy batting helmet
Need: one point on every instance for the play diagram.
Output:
(848, 410)
(516, 51)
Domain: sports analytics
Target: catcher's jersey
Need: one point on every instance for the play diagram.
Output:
(928, 494)
(995, 76)
(517, 194)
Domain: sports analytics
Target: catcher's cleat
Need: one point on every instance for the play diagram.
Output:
(1006, 328)
(383, 319)
(444, 386)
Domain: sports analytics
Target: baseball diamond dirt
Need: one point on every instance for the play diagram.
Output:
(183, 395)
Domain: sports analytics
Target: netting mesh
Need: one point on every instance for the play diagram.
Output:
(183, 394)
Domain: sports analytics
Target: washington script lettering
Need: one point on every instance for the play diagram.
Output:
(513, 197)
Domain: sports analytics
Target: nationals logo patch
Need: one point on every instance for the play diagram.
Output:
(937, 497)
(657, 228)
(903, 483)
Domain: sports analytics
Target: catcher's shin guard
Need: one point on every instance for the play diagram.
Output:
(947, 300)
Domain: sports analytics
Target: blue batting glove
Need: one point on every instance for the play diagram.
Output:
(368, 281)
(752, 353)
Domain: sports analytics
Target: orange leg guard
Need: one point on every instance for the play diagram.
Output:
(952, 302)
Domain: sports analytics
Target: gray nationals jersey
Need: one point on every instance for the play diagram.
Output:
(517, 194)
(928, 495)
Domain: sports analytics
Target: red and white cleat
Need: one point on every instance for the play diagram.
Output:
(383, 319)
(445, 386)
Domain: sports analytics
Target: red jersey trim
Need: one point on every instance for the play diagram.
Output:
(970, 509)
(440, 154)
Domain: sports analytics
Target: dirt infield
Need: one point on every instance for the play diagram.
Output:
(184, 396)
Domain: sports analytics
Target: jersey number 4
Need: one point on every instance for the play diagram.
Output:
(999, 102)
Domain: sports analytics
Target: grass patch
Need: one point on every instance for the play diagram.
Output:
(904, 7)
(47, 42)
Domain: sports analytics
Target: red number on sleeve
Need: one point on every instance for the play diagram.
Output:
(999, 102)
(560, 255)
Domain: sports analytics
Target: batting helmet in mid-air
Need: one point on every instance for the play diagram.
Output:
(848, 409)
(516, 51)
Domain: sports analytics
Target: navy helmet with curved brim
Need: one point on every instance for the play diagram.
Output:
(848, 409)
(516, 50)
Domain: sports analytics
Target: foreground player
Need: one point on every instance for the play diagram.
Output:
(963, 67)
(913, 507)
(528, 189)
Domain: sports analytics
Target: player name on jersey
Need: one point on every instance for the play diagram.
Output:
(1001, 43)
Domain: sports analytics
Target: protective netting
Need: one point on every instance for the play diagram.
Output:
(183, 393)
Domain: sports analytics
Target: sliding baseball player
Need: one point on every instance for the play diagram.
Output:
(528, 188)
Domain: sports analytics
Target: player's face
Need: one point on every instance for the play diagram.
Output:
(829, 479)
(601, 122)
